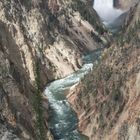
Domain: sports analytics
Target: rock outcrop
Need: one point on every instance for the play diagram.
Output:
(107, 100)
(125, 4)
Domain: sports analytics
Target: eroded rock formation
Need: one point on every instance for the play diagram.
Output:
(107, 100)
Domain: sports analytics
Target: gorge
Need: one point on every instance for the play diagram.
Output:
(85, 55)
(63, 121)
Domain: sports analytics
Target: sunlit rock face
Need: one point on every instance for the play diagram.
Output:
(106, 10)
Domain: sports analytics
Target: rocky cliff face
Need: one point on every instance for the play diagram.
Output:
(40, 39)
(38, 30)
(107, 100)
(125, 4)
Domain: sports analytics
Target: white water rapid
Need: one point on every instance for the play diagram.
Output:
(63, 120)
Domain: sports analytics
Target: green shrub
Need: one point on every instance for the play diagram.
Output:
(38, 106)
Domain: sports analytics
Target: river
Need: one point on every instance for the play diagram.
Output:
(63, 120)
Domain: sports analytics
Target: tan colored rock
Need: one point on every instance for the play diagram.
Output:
(125, 4)
(138, 85)
(107, 100)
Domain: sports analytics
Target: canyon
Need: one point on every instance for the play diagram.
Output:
(90, 71)
(107, 99)
(38, 44)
